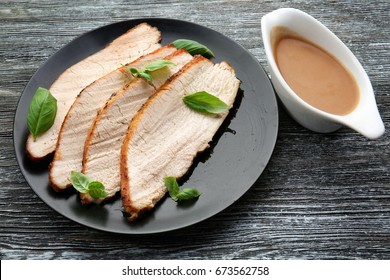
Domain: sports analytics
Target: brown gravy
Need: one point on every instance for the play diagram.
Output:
(313, 74)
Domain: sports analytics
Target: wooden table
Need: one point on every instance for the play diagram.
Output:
(320, 197)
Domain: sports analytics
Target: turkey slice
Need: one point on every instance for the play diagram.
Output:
(136, 42)
(102, 147)
(68, 154)
(165, 135)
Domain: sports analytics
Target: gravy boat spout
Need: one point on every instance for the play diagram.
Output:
(364, 118)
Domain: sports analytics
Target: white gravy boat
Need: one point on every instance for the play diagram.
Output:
(364, 119)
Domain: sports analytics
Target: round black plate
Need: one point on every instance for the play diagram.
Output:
(240, 152)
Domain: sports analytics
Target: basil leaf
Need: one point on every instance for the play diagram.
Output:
(80, 181)
(42, 112)
(172, 186)
(84, 184)
(158, 64)
(133, 71)
(187, 194)
(192, 47)
(153, 66)
(146, 76)
(96, 190)
(178, 195)
(205, 103)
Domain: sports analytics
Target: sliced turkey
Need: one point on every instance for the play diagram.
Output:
(165, 135)
(74, 130)
(102, 147)
(136, 42)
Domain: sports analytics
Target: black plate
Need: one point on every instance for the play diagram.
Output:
(242, 148)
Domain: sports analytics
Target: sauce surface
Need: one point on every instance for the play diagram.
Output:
(316, 76)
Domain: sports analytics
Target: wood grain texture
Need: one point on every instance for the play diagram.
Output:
(320, 197)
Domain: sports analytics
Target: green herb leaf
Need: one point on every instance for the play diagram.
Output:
(80, 181)
(84, 184)
(187, 194)
(205, 102)
(192, 47)
(133, 71)
(156, 65)
(172, 186)
(96, 190)
(153, 66)
(178, 195)
(146, 76)
(42, 112)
